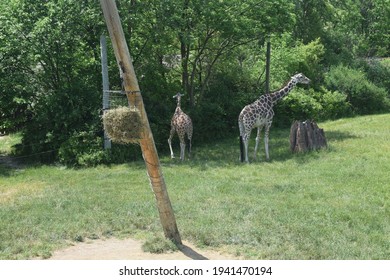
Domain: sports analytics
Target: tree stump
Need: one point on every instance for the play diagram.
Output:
(306, 136)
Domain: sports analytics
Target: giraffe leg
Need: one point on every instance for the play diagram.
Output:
(245, 139)
(182, 144)
(266, 134)
(246, 149)
(170, 142)
(257, 140)
(182, 150)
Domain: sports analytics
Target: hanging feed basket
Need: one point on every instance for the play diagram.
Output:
(123, 125)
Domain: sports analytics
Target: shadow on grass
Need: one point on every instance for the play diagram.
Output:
(336, 135)
(227, 152)
(192, 254)
(4, 170)
(8, 165)
(223, 153)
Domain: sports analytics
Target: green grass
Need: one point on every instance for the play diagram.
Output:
(331, 204)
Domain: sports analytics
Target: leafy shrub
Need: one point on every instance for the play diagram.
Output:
(378, 71)
(310, 104)
(334, 105)
(82, 149)
(290, 56)
(364, 96)
(298, 105)
(85, 149)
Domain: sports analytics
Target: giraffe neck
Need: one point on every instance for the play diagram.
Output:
(178, 108)
(279, 94)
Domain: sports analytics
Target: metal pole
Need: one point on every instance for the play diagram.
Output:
(267, 66)
(147, 144)
(106, 93)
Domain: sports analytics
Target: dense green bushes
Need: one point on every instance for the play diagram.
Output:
(364, 96)
(347, 92)
(310, 104)
(50, 74)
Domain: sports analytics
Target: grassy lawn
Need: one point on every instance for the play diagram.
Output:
(331, 204)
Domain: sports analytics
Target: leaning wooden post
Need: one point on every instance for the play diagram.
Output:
(147, 144)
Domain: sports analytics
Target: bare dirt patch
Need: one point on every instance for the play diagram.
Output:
(131, 249)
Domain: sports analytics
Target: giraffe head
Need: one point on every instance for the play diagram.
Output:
(300, 79)
(178, 95)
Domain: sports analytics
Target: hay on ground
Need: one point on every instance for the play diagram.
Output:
(123, 125)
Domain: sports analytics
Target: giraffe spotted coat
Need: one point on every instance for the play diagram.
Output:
(260, 113)
(181, 123)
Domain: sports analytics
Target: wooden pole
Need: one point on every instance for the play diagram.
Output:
(147, 144)
(106, 94)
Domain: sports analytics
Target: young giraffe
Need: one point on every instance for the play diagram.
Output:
(182, 124)
(260, 113)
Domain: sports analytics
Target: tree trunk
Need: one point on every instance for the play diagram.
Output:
(306, 136)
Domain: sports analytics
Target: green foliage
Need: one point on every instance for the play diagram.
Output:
(378, 71)
(50, 80)
(364, 96)
(290, 57)
(334, 105)
(85, 149)
(8, 142)
(82, 149)
(311, 104)
(298, 105)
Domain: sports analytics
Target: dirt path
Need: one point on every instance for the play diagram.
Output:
(130, 249)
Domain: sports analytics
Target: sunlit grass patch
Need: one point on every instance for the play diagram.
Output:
(328, 204)
(7, 142)
(13, 192)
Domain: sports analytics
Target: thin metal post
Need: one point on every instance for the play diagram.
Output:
(267, 66)
(106, 93)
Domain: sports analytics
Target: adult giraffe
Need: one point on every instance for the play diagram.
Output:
(182, 124)
(260, 114)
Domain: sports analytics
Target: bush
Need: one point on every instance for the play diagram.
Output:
(82, 149)
(364, 96)
(378, 72)
(298, 105)
(310, 104)
(334, 105)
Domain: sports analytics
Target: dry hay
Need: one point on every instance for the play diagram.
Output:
(123, 125)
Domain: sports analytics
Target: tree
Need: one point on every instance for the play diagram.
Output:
(54, 52)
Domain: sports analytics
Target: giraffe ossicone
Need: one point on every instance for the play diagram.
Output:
(181, 123)
(259, 114)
